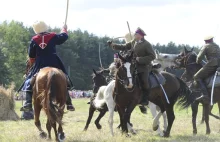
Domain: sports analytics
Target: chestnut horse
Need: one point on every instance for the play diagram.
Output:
(49, 91)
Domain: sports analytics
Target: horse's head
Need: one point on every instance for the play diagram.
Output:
(98, 80)
(125, 71)
(166, 60)
(188, 61)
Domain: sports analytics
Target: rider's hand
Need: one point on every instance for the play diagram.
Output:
(65, 27)
(110, 44)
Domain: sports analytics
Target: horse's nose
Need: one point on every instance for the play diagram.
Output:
(130, 83)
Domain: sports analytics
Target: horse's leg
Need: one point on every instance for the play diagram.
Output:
(111, 107)
(194, 108)
(127, 115)
(207, 110)
(54, 125)
(101, 114)
(219, 108)
(37, 109)
(48, 125)
(121, 115)
(91, 112)
(170, 117)
(61, 135)
(165, 120)
(203, 116)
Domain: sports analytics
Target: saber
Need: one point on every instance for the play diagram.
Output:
(213, 87)
(161, 86)
(100, 60)
(129, 30)
(67, 9)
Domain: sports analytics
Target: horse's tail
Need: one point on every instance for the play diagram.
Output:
(99, 100)
(52, 109)
(185, 95)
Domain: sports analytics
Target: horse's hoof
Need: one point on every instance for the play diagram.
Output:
(61, 137)
(194, 132)
(43, 135)
(166, 135)
(130, 124)
(99, 127)
(127, 135)
(208, 132)
(133, 132)
(155, 128)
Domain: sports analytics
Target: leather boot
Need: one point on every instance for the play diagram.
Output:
(69, 104)
(28, 103)
(143, 109)
(204, 97)
(144, 98)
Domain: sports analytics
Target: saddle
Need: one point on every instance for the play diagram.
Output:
(209, 80)
(155, 79)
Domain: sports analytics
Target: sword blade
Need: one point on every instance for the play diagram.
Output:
(67, 9)
(213, 87)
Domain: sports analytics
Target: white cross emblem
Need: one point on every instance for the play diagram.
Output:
(43, 45)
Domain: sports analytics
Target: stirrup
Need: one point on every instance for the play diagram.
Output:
(26, 108)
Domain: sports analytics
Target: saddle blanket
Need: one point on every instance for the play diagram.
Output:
(209, 81)
(153, 80)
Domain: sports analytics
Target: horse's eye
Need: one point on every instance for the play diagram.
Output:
(165, 56)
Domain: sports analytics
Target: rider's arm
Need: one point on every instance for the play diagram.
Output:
(201, 54)
(62, 37)
(150, 55)
(126, 46)
(32, 52)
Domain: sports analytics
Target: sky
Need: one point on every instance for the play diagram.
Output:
(180, 21)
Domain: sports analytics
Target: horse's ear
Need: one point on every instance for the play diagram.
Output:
(120, 57)
(157, 51)
(185, 49)
(94, 72)
(192, 49)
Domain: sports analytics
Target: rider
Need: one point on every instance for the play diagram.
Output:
(212, 53)
(42, 53)
(144, 54)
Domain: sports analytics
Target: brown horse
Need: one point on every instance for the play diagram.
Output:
(127, 94)
(49, 90)
(188, 62)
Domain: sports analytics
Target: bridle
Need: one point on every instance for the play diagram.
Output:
(187, 59)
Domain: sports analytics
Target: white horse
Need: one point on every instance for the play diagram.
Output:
(104, 95)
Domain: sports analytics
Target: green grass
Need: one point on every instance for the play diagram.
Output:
(25, 131)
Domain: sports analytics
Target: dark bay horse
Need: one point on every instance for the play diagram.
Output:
(98, 81)
(188, 62)
(49, 91)
(127, 94)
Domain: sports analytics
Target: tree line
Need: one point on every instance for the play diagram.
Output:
(80, 54)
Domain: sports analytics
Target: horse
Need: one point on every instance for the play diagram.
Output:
(165, 60)
(102, 100)
(170, 60)
(126, 99)
(188, 62)
(49, 91)
(99, 81)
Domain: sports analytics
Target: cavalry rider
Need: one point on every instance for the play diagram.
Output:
(212, 53)
(144, 55)
(42, 53)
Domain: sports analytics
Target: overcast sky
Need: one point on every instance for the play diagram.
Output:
(180, 21)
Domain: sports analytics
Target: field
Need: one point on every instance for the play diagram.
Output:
(25, 131)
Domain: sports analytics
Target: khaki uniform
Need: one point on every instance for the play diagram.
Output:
(212, 53)
(145, 53)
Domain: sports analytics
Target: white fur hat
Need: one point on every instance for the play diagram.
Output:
(129, 37)
(208, 38)
(40, 27)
